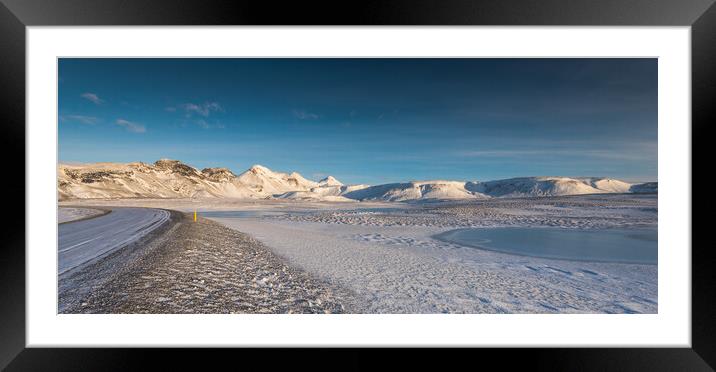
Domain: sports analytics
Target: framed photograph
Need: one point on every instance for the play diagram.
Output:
(447, 175)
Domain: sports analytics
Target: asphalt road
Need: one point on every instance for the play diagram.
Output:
(82, 241)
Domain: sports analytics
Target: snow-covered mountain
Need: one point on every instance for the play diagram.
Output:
(323, 192)
(644, 188)
(174, 179)
(550, 186)
(163, 179)
(426, 190)
(265, 182)
(608, 184)
(514, 187)
(329, 181)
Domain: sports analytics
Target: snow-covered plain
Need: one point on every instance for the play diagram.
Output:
(390, 259)
(385, 253)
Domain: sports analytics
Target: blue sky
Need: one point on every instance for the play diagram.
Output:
(367, 120)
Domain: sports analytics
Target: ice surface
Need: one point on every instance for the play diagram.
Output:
(606, 245)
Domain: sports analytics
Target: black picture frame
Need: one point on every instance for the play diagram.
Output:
(16, 15)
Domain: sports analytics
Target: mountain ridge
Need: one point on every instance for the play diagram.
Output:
(167, 178)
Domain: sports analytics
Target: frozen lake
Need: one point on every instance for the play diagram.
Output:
(602, 245)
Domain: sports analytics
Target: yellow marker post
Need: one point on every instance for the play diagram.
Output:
(194, 216)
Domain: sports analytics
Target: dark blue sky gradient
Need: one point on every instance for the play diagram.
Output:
(367, 120)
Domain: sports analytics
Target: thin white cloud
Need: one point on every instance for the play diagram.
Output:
(89, 120)
(198, 114)
(206, 125)
(92, 98)
(204, 109)
(303, 115)
(130, 126)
